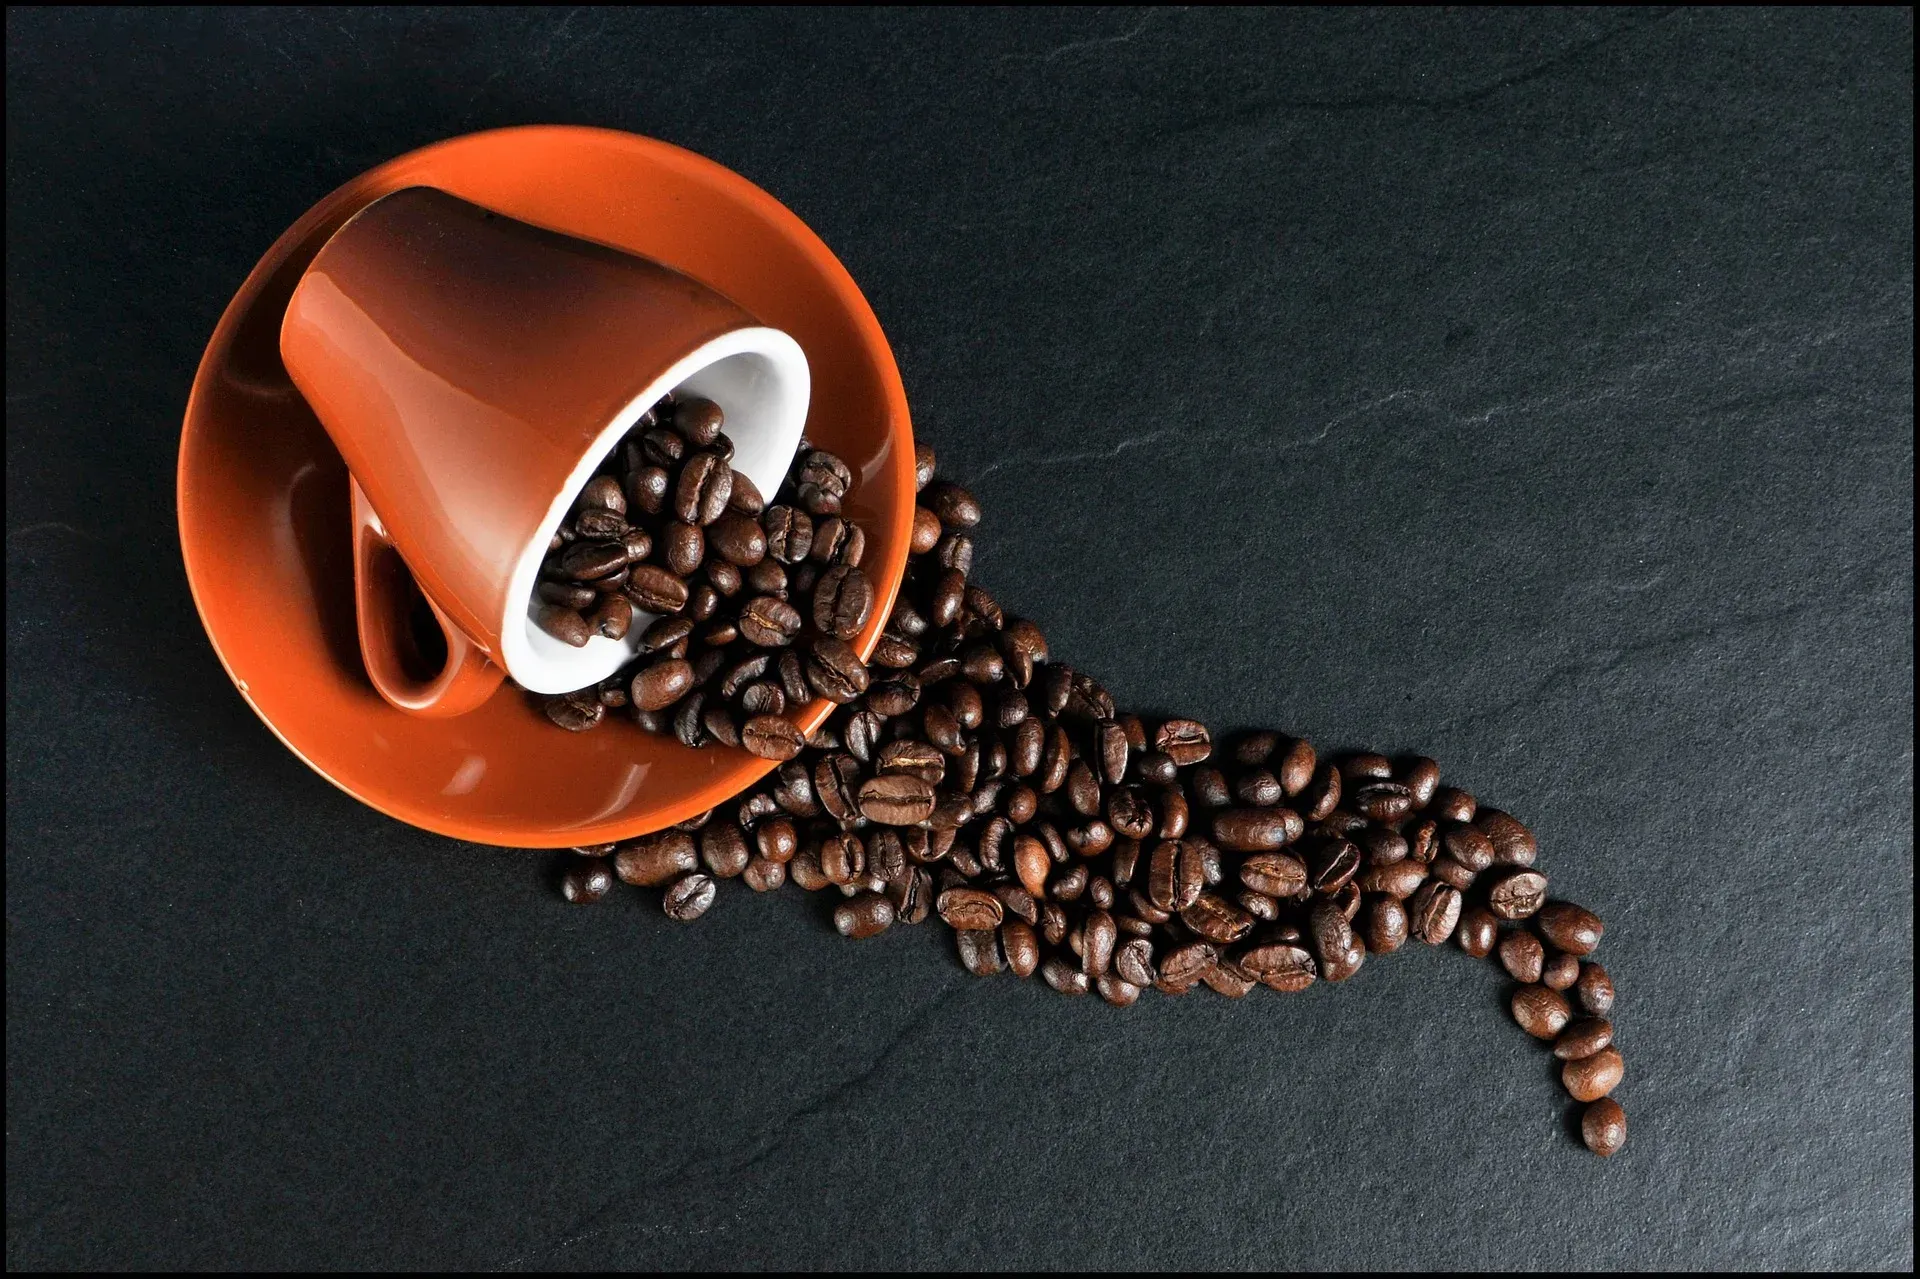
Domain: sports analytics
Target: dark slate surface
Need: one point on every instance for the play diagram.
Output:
(1531, 390)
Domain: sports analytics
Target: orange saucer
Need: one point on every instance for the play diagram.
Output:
(265, 531)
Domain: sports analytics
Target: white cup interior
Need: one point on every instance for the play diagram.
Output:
(760, 380)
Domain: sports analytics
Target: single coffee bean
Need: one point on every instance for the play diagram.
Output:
(1522, 955)
(1449, 871)
(1254, 749)
(1133, 961)
(1513, 843)
(1560, 972)
(763, 876)
(655, 590)
(689, 896)
(1295, 766)
(1210, 789)
(1335, 946)
(1517, 893)
(1594, 990)
(953, 504)
(1253, 830)
(653, 861)
(1175, 813)
(1381, 845)
(1423, 841)
(1276, 874)
(1542, 1013)
(1573, 929)
(806, 872)
(1434, 911)
(1591, 1078)
(1382, 801)
(699, 420)
(1582, 1038)
(647, 490)
(1331, 865)
(1064, 977)
(702, 601)
(772, 737)
(584, 880)
(706, 483)
(842, 601)
(1082, 788)
(661, 684)
(1281, 966)
(1020, 946)
(970, 908)
(1451, 804)
(585, 561)
(1395, 879)
(1259, 789)
(896, 799)
(574, 714)
(1604, 1127)
(1229, 979)
(740, 542)
(923, 466)
(862, 916)
(1421, 776)
(1467, 845)
(723, 849)
(663, 634)
(746, 499)
(1116, 991)
(843, 858)
(769, 622)
(1322, 794)
(1183, 964)
(1384, 925)
(1217, 919)
(1185, 741)
(568, 595)
(1366, 767)
(613, 617)
(1478, 930)
(1098, 942)
(926, 531)
(565, 625)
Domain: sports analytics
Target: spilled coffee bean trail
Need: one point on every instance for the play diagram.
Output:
(965, 774)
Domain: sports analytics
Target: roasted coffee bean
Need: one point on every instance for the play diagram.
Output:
(585, 561)
(1276, 874)
(1449, 871)
(771, 737)
(1450, 804)
(1423, 841)
(1174, 813)
(1259, 789)
(806, 872)
(769, 622)
(1382, 801)
(570, 596)
(1522, 955)
(1366, 767)
(1184, 964)
(689, 896)
(723, 849)
(739, 541)
(1594, 990)
(842, 601)
(566, 625)
(1254, 749)
(1110, 749)
(1331, 865)
(1334, 943)
(1210, 788)
(765, 578)
(647, 490)
(1217, 919)
(926, 531)
(1098, 940)
(655, 860)
(702, 601)
(1381, 846)
(1421, 776)
(1573, 929)
(1478, 930)
(1434, 911)
(1253, 830)
(1560, 972)
(1229, 979)
(862, 916)
(575, 714)
(697, 419)
(1281, 966)
(1517, 893)
(655, 590)
(1604, 1127)
(1591, 1078)
(1322, 794)
(1185, 741)
(1133, 961)
(1118, 992)
(835, 671)
(1542, 1013)
(964, 701)
(1155, 767)
(1082, 788)
(1384, 925)
(765, 698)
(660, 685)
(953, 504)
(1467, 845)
(1513, 843)
(896, 799)
(843, 858)
(584, 880)
(1583, 1038)
(746, 499)
(612, 617)
(969, 908)
(663, 634)
(1064, 977)
(1129, 813)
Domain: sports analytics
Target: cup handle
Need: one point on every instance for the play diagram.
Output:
(382, 593)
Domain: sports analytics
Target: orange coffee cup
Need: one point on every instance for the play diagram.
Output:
(473, 371)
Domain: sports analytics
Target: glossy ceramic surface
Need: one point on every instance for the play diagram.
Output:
(263, 500)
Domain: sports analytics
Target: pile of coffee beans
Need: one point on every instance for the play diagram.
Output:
(752, 603)
(965, 774)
